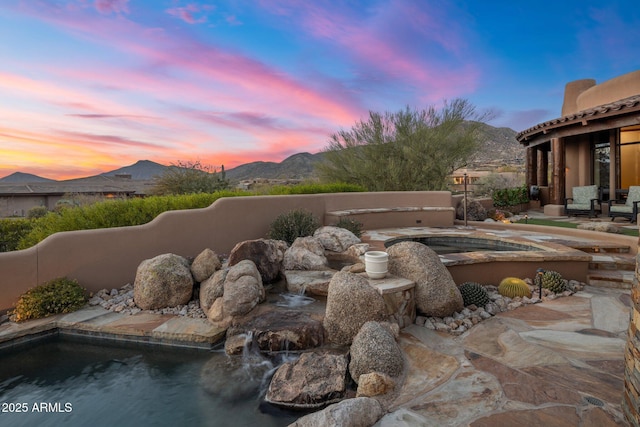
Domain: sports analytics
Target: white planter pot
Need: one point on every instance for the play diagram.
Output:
(376, 263)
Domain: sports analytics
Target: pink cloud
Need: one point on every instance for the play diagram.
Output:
(112, 6)
(187, 13)
(392, 41)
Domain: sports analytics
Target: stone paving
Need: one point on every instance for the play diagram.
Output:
(557, 363)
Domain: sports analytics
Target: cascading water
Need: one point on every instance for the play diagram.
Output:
(291, 300)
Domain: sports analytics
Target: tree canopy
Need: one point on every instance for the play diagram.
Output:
(407, 150)
(190, 178)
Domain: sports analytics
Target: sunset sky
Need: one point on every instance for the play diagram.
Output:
(88, 86)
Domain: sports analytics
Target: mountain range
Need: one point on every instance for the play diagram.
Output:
(499, 147)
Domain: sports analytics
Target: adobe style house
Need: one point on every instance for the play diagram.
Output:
(595, 141)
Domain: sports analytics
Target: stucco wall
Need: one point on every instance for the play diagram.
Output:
(108, 258)
(588, 96)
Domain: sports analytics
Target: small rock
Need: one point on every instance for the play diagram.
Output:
(492, 309)
(374, 384)
(442, 327)
(514, 305)
(420, 320)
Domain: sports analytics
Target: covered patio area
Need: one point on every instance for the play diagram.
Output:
(596, 141)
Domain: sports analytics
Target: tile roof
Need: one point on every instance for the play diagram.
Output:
(588, 114)
(92, 185)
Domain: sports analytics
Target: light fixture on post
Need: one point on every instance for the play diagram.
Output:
(464, 178)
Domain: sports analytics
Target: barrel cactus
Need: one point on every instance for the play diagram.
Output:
(551, 280)
(474, 293)
(514, 287)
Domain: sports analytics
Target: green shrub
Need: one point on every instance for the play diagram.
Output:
(314, 188)
(60, 295)
(506, 197)
(293, 224)
(12, 231)
(37, 212)
(352, 225)
(116, 213)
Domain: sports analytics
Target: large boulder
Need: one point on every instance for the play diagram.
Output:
(374, 349)
(475, 211)
(351, 301)
(212, 289)
(308, 282)
(266, 254)
(305, 253)
(336, 239)
(436, 293)
(205, 264)
(163, 281)
(243, 289)
(276, 331)
(358, 412)
(314, 380)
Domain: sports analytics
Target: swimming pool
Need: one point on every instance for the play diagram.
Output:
(65, 381)
(460, 244)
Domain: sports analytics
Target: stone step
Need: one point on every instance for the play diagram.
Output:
(611, 279)
(599, 247)
(612, 262)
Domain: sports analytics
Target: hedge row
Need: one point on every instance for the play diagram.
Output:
(24, 233)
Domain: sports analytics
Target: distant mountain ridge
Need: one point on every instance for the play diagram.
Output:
(499, 148)
(20, 177)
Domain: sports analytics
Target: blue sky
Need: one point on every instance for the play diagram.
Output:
(88, 86)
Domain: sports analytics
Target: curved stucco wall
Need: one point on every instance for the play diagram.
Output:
(571, 92)
(108, 258)
(610, 91)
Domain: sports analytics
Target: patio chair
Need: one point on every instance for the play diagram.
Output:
(626, 209)
(585, 201)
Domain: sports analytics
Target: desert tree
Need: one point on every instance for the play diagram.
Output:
(412, 149)
(188, 178)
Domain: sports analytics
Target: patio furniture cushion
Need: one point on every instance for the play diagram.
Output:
(579, 206)
(585, 200)
(632, 196)
(621, 208)
(583, 195)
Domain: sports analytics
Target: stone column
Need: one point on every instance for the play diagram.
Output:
(558, 175)
(631, 397)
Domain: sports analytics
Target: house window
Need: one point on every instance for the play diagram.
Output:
(602, 165)
(629, 156)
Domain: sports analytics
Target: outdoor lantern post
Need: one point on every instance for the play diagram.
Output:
(464, 177)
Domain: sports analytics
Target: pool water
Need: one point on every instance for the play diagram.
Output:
(443, 245)
(67, 382)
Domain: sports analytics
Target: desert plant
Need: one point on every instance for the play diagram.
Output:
(12, 230)
(411, 149)
(59, 295)
(474, 293)
(37, 212)
(352, 225)
(190, 178)
(551, 280)
(293, 224)
(514, 287)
